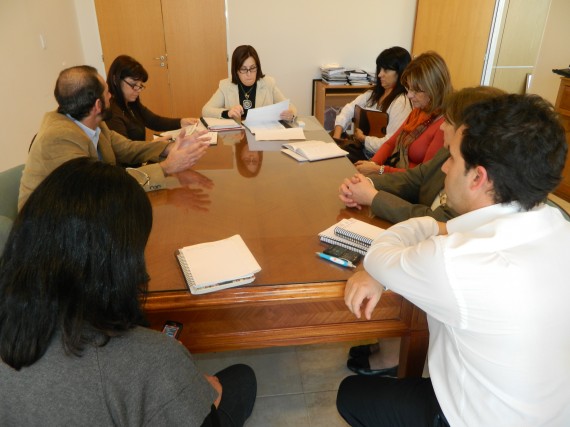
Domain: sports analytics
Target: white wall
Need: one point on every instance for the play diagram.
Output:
(29, 71)
(293, 38)
(554, 51)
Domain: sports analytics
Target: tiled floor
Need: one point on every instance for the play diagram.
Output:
(296, 386)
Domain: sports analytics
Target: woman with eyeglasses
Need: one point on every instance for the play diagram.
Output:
(247, 88)
(129, 116)
(427, 82)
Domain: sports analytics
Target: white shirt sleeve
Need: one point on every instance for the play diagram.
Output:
(409, 259)
(398, 112)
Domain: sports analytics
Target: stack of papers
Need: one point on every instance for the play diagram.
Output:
(333, 74)
(212, 266)
(215, 124)
(357, 77)
(313, 150)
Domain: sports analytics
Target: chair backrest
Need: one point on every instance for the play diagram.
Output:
(372, 123)
(564, 213)
(9, 189)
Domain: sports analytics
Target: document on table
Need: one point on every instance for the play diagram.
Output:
(263, 122)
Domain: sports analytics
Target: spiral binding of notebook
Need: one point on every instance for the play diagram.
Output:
(344, 244)
(353, 237)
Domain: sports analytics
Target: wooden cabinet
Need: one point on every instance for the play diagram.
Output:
(563, 108)
(329, 99)
(181, 44)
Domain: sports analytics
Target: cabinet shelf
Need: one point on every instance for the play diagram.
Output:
(329, 99)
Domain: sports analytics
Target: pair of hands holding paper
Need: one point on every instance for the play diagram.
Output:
(185, 151)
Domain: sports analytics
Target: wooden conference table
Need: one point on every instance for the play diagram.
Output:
(278, 206)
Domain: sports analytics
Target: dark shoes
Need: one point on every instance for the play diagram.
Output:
(360, 351)
(358, 363)
(362, 367)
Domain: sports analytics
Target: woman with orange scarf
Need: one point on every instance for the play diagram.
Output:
(428, 82)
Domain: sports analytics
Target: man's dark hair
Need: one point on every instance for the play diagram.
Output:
(77, 89)
(519, 140)
(74, 262)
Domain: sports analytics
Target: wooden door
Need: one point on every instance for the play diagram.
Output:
(134, 28)
(459, 31)
(189, 34)
(195, 34)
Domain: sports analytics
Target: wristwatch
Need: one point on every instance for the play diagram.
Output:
(381, 171)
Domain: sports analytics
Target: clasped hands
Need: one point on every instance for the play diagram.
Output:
(357, 191)
(185, 151)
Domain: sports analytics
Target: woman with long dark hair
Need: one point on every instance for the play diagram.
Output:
(389, 96)
(72, 277)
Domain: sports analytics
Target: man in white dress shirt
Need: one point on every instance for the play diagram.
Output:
(493, 282)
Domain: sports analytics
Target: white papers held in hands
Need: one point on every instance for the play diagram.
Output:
(264, 123)
(313, 150)
(222, 264)
(352, 234)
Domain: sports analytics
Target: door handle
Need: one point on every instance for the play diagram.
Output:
(162, 59)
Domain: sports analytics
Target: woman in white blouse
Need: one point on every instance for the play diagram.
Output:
(389, 96)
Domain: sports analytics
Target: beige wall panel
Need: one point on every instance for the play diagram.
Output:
(512, 80)
(523, 29)
(195, 34)
(459, 31)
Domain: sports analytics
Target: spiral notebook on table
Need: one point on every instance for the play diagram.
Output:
(222, 264)
(352, 234)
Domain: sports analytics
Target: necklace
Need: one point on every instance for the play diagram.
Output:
(247, 104)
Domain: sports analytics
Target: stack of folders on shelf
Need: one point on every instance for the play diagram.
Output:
(352, 234)
(357, 77)
(333, 74)
(217, 125)
(212, 266)
(313, 150)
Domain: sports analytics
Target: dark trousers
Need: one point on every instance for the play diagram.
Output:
(239, 390)
(388, 402)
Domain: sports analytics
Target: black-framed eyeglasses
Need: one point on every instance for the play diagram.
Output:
(245, 70)
(135, 86)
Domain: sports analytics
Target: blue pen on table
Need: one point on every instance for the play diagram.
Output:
(339, 261)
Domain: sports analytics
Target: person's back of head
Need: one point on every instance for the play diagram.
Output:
(77, 89)
(74, 261)
(122, 67)
(428, 73)
(456, 103)
(520, 142)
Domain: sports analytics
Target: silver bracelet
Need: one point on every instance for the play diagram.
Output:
(381, 171)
